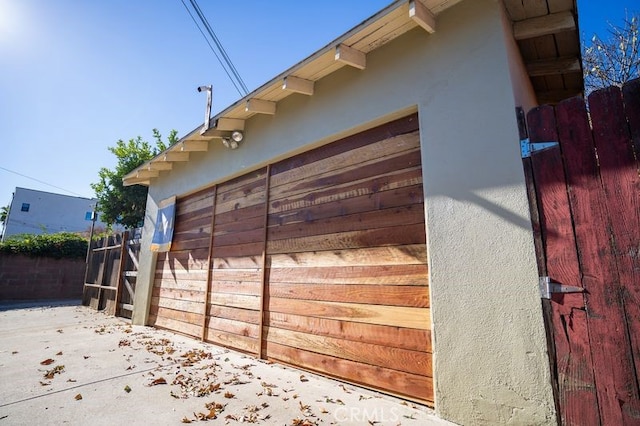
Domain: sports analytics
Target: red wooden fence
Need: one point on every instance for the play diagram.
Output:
(588, 200)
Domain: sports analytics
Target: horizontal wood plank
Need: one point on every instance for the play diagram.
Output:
(179, 293)
(416, 274)
(356, 172)
(391, 181)
(397, 127)
(238, 314)
(376, 150)
(250, 288)
(378, 237)
(234, 327)
(237, 262)
(178, 305)
(418, 318)
(412, 214)
(384, 356)
(406, 338)
(410, 296)
(233, 341)
(380, 200)
(397, 255)
(189, 329)
(235, 300)
(411, 385)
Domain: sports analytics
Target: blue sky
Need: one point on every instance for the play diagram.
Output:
(76, 76)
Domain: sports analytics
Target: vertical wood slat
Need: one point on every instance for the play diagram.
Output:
(620, 196)
(631, 99)
(119, 282)
(264, 280)
(605, 315)
(209, 266)
(577, 397)
(541, 260)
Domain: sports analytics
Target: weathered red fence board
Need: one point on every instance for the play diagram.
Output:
(588, 193)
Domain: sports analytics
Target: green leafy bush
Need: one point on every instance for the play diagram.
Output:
(61, 245)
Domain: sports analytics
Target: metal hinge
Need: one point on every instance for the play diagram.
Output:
(548, 287)
(527, 148)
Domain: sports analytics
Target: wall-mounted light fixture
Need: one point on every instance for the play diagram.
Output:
(233, 142)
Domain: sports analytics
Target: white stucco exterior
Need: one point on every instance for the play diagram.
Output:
(465, 80)
(40, 212)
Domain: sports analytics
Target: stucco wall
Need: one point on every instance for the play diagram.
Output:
(490, 362)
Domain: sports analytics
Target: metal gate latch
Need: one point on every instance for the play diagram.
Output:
(527, 148)
(548, 287)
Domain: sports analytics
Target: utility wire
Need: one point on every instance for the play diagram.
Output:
(211, 47)
(229, 69)
(222, 50)
(46, 183)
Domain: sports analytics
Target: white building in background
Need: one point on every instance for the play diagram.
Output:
(39, 212)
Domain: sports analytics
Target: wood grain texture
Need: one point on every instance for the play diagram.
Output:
(405, 338)
(376, 256)
(619, 202)
(415, 274)
(398, 197)
(418, 318)
(410, 296)
(408, 385)
(414, 362)
(577, 396)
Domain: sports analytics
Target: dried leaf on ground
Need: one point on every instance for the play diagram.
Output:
(58, 369)
(303, 378)
(229, 395)
(47, 361)
(127, 389)
(59, 353)
(158, 381)
(185, 420)
(78, 397)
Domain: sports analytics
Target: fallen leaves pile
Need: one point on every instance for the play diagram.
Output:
(202, 373)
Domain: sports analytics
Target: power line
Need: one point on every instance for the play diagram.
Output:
(236, 80)
(204, 20)
(211, 47)
(43, 182)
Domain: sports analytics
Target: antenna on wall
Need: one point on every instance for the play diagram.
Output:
(207, 112)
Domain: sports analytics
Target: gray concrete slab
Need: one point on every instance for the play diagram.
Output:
(66, 364)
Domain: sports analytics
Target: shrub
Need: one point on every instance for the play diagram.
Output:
(61, 245)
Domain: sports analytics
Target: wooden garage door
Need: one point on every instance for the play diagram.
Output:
(180, 284)
(347, 293)
(317, 261)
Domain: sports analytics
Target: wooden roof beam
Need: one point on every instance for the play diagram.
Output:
(422, 16)
(544, 25)
(553, 66)
(136, 181)
(298, 85)
(260, 106)
(160, 165)
(229, 124)
(175, 156)
(189, 146)
(145, 174)
(350, 56)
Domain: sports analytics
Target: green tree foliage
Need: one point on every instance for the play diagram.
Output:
(615, 60)
(61, 245)
(125, 205)
(4, 213)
